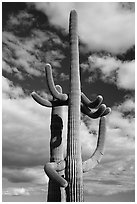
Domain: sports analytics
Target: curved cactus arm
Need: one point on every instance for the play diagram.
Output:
(106, 112)
(41, 100)
(51, 169)
(58, 102)
(48, 103)
(91, 114)
(99, 151)
(91, 104)
(58, 88)
(51, 84)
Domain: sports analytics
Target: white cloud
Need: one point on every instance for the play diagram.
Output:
(21, 19)
(116, 172)
(127, 105)
(126, 75)
(102, 26)
(15, 55)
(29, 55)
(35, 175)
(30, 191)
(9, 90)
(6, 67)
(64, 76)
(114, 70)
(16, 192)
(25, 133)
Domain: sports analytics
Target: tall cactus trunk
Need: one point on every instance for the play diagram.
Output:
(74, 160)
(55, 192)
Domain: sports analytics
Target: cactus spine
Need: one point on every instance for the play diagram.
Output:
(66, 173)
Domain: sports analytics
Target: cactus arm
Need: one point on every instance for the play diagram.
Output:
(86, 104)
(48, 103)
(91, 114)
(41, 100)
(99, 151)
(93, 104)
(106, 112)
(58, 102)
(51, 171)
(51, 84)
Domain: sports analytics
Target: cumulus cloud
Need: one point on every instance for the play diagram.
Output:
(119, 178)
(33, 175)
(16, 192)
(25, 133)
(28, 193)
(102, 26)
(22, 56)
(9, 91)
(16, 57)
(26, 52)
(116, 172)
(126, 75)
(113, 70)
(24, 129)
(64, 76)
(25, 141)
(127, 106)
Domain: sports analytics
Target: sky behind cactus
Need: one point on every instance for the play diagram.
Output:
(37, 33)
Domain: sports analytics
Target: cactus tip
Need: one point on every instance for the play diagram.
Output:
(103, 106)
(109, 109)
(59, 88)
(33, 93)
(48, 65)
(103, 117)
(100, 97)
(73, 11)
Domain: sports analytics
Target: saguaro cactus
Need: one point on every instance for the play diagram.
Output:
(66, 173)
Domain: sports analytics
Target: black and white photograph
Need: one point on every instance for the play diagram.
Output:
(68, 101)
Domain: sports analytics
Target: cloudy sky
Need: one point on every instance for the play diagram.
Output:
(37, 33)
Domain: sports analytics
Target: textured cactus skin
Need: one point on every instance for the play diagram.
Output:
(74, 160)
(56, 192)
(66, 173)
